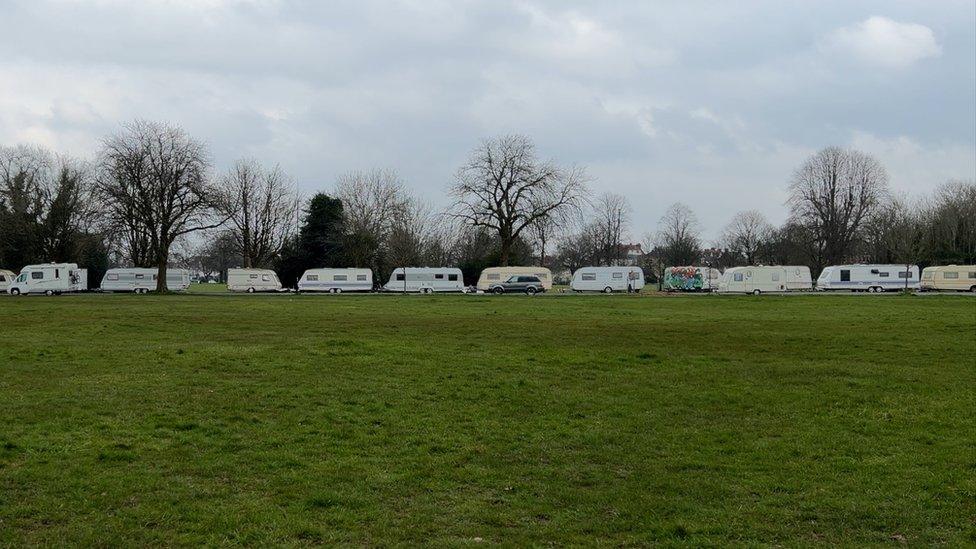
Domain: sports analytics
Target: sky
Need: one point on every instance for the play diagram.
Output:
(713, 104)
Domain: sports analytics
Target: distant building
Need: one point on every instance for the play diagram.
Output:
(631, 254)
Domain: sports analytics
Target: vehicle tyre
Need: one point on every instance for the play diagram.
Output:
(498, 291)
(608, 290)
(338, 290)
(48, 292)
(973, 289)
(756, 292)
(530, 290)
(14, 291)
(250, 290)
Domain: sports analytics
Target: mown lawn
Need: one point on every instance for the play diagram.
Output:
(296, 420)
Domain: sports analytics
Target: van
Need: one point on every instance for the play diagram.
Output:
(497, 275)
(607, 279)
(961, 278)
(425, 280)
(691, 279)
(868, 278)
(6, 279)
(142, 280)
(48, 279)
(765, 279)
(336, 281)
(252, 280)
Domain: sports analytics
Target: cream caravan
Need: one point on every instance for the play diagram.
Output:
(425, 280)
(868, 278)
(49, 279)
(495, 275)
(766, 279)
(252, 280)
(6, 279)
(607, 279)
(142, 280)
(336, 281)
(961, 278)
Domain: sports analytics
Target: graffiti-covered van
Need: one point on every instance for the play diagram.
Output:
(691, 279)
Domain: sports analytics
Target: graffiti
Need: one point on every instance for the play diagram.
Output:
(683, 278)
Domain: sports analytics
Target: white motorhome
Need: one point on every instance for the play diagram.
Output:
(142, 280)
(765, 279)
(868, 278)
(6, 279)
(949, 277)
(252, 280)
(336, 281)
(494, 275)
(48, 278)
(608, 279)
(425, 280)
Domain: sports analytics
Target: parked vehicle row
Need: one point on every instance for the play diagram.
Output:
(57, 278)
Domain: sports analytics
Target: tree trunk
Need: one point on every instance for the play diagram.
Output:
(506, 250)
(161, 273)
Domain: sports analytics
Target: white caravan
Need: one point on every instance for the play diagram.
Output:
(868, 278)
(608, 279)
(252, 280)
(48, 278)
(425, 280)
(336, 281)
(759, 279)
(143, 280)
(493, 275)
(6, 279)
(949, 277)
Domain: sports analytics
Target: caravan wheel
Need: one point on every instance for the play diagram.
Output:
(49, 292)
(756, 292)
(426, 290)
(14, 291)
(608, 290)
(250, 290)
(338, 290)
(973, 289)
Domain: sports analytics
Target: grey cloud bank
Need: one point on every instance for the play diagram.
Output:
(707, 103)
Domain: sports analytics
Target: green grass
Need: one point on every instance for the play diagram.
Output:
(620, 420)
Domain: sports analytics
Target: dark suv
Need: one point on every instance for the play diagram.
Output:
(518, 284)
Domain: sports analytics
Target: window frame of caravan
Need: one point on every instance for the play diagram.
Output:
(955, 275)
(617, 275)
(3, 278)
(140, 276)
(265, 278)
(843, 273)
(438, 276)
(340, 278)
(775, 276)
(493, 276)
(452, 277)
(737, 277)
(905, 275)
(362, 278)
(312, 278)
(884, 274)
(34, 275)
(252, 276)
(588, 277)
(400, 277)
(972, 275)
(112, 277)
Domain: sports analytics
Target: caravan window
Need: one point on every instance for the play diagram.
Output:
(140, 276)
(884, 274)
(112, 276)
(951, 275)
(339, 278)
(775, 277)
(3, 278)
(494, 276)
(361, 278)
(452, 278)
(737, 277)
(399, 277)
(253, 277)
(589, 276)
(312, 278)
(972, 274)
(265, 278)
(439, 276)
(905, 274)
(618, 275)
(37, 275)
(845, 275)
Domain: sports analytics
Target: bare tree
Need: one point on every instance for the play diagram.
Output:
(746, 234)
(612, 219)
(678, 236)
(952, 222)
(372, 203)
(833, 193)
(154, 177)
(262, 206)
(505, 188)
(544, 232)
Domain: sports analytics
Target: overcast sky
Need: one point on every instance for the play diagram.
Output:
(710, 103)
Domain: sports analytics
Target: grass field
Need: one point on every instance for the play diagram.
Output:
(297, 420)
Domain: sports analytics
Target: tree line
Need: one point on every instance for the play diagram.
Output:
(151, 198)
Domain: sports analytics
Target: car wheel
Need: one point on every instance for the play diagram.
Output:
(756, 292)
(530, 290)
(14, 291)
(608, 290)
(973, 289)
(498, 291)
